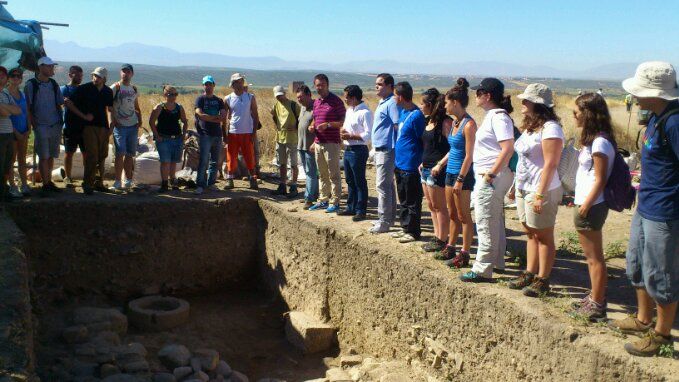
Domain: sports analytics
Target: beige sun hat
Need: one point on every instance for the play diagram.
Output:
(100, 72)
(538, 93)
(653, 79)
(278, 90)
(235, 77)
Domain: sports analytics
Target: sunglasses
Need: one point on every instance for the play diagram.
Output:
(171, 94)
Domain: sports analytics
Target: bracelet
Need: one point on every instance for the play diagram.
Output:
(539, 196)
(460, 179)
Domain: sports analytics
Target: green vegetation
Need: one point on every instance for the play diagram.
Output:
(615, 249)
(569, 245)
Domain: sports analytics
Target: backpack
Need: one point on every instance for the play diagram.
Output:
(293, 107)
(618, 193)
(34, 93)
(660, 128)
(117, 86)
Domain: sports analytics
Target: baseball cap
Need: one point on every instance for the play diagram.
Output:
(278, 91)
(207, 79)
(235, 77)
(490, 85)
(100, 72)
(46, 61)
(128, 67)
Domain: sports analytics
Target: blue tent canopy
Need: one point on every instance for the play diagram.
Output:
(20, 42)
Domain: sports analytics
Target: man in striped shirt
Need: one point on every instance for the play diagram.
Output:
(328, 114)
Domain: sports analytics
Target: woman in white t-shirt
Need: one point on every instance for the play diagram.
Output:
(493, 148)
(595, 167)
(538, 188)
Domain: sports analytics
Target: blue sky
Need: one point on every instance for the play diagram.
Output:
(572, 34)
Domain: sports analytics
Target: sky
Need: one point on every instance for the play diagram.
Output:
(573, 34)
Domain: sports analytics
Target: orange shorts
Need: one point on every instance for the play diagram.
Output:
(240, 143)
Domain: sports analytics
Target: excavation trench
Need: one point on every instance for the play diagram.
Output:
(242, 264)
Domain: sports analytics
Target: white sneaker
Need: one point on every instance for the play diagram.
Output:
(117, 186)
(198, 191)
(129, 184)
(407, 238)
(398, 235)
(26, 190)
(15, 193)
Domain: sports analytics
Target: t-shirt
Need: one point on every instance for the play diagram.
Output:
(531, 158)
(386, 116)
(20, 122)
(241, 121)
(286, 122)
(409, 146)
(211, 105)
(123, 105)
(71, 121)
(305, 138)
(6, 123)
(45, 110)
(358, 121)
(659, 188)
(497, 126)
(328, 109)
(584, 177)
(90, 100)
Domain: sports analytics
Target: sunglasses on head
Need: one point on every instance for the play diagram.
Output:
(171, 94)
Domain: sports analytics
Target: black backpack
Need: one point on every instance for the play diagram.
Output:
(36, 87)
(660, 129)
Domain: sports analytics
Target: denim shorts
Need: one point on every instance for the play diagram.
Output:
(653, 258)
(125, 138)
(170, 150)
(467, 185)
(433, 181)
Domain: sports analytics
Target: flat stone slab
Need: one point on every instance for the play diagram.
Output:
(309, 334)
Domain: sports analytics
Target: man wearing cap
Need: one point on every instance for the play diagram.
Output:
(653, 251)
(125, 123)
(73, 133)
(285, 115)
(89, 103)
(210, 113)
(45, 103)
(242, 118)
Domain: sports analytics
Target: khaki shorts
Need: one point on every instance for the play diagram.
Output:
(550, 206)
(595, 219)
(285, 151)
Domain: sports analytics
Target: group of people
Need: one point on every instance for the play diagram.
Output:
(433, 150)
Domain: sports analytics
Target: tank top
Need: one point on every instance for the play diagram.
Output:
(435, 147)
(458, 149)
(19, 121)
(241, 118)
(168, 121)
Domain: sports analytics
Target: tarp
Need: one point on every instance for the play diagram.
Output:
(20, 42)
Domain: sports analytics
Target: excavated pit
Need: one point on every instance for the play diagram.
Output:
(242, 263)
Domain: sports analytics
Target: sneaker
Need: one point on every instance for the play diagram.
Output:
(175, 184)
(308, 204)
(378, 229)
(229, 184)
(473, 277)
(407, 238)
(434, 245)
(26, 190)
(522, 281)
(591, 310)
(129, 184)
(631, 325)
(198, 191)
(281, 190)
(293, 192)
(359, 217)
(538, 287)
(332, 208)
(461, 260)
(15, 193)
(397, 235)
(253, 184)
(117, 186)
(319, 206)
(69, 182)
(346, 212)
(447, 253)
(577, 304)
(650, 345)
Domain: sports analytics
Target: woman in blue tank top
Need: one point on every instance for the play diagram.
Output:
(459, 174)
(21, 133)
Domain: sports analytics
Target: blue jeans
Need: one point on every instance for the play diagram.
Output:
(355, 158)
(209, 148)
(308, 160)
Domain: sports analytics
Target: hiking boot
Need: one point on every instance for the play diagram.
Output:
(631, 325)
(649, 345)
(575, 305)
(397, 235)
(253, 184)
(359, 217)
(473, 277)
(407, 238)
(319, 206)
(434, 245)
(346, 212)
(591, 310)
(522, 281)
(293, 192)
(280, 190)
(447, 253)
(461, 260)
(538, 287)
(229, 184)
(307, 204)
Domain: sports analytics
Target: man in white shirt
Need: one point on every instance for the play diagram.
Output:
(125, 122)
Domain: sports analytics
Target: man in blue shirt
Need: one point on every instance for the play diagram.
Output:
(409, 150)
(210, 124)
(653, 251)
(385, 125)
(73, 132)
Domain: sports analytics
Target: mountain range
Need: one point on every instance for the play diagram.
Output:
(161, 56)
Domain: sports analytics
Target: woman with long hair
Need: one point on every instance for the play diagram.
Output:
(432, 169)
(538, 188)
(595, 167)
(169, 125)
(459, 174)
(493, 148)
(21, 133)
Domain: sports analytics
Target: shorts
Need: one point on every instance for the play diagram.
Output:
(467, 185)
(653, 258)
(125, 139)
(170, 150)
(550, 206)
(595, 219)
(432, 181)
(47, 140)
(73, 140)
(285, 151)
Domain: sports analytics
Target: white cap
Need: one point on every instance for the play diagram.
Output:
(278, 91)
(46, 61)
(100, 72)
(654, 79)
(235, 77)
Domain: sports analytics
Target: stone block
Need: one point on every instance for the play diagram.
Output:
(182, 372)
(107, 370)
(174, 356)
(223, 369)
(237, 376)
(309, 334)
(351, 360)
(337, 375)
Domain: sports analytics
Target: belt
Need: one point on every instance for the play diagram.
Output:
(382, 149)
(170, 136)
(352, 147)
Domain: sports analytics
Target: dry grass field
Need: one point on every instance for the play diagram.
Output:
(564, 105)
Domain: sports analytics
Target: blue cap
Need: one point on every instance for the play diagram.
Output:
(207, 79)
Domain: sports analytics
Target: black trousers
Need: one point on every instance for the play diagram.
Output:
(409, 190)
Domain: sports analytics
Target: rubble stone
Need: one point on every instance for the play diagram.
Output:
(173, 356)
(308, 334)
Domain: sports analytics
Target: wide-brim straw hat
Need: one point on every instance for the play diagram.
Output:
(538, 93)
(653, 79)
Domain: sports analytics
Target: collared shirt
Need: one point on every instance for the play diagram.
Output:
(358, 121)
(328, 109)
(305, 138)
(90, 100)
(386, 116)
(286, 121)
